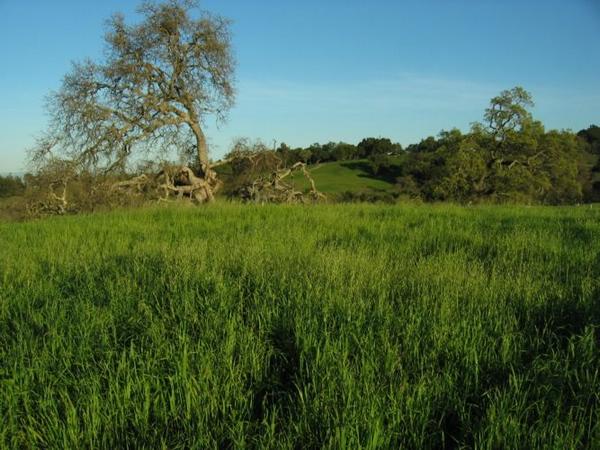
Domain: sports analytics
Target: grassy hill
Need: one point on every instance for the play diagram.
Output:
(340, 326)
(343, 176)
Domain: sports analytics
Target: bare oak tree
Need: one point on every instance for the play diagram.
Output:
(159, 81)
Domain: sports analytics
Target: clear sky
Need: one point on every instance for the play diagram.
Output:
(334, 70)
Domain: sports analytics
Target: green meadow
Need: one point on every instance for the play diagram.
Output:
(334, 326)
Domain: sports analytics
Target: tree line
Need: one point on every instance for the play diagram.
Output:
(339, 151)
(508, 157)
(11, 185)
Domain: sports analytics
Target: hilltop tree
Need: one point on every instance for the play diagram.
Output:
(377, 146)
(159, 81)
(508, 112)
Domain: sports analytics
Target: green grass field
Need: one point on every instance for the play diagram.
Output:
(345, 326)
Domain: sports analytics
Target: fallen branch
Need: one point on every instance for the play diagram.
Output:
(272, 188)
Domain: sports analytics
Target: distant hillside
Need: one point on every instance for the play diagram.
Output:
(343, 176)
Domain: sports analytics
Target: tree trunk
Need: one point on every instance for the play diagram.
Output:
(207, 178)
(201, 148)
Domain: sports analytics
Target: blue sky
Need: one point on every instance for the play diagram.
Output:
(317, 71)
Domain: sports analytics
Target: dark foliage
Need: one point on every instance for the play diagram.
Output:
(11, 186)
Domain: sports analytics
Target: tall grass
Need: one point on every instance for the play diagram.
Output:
(302, 327)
